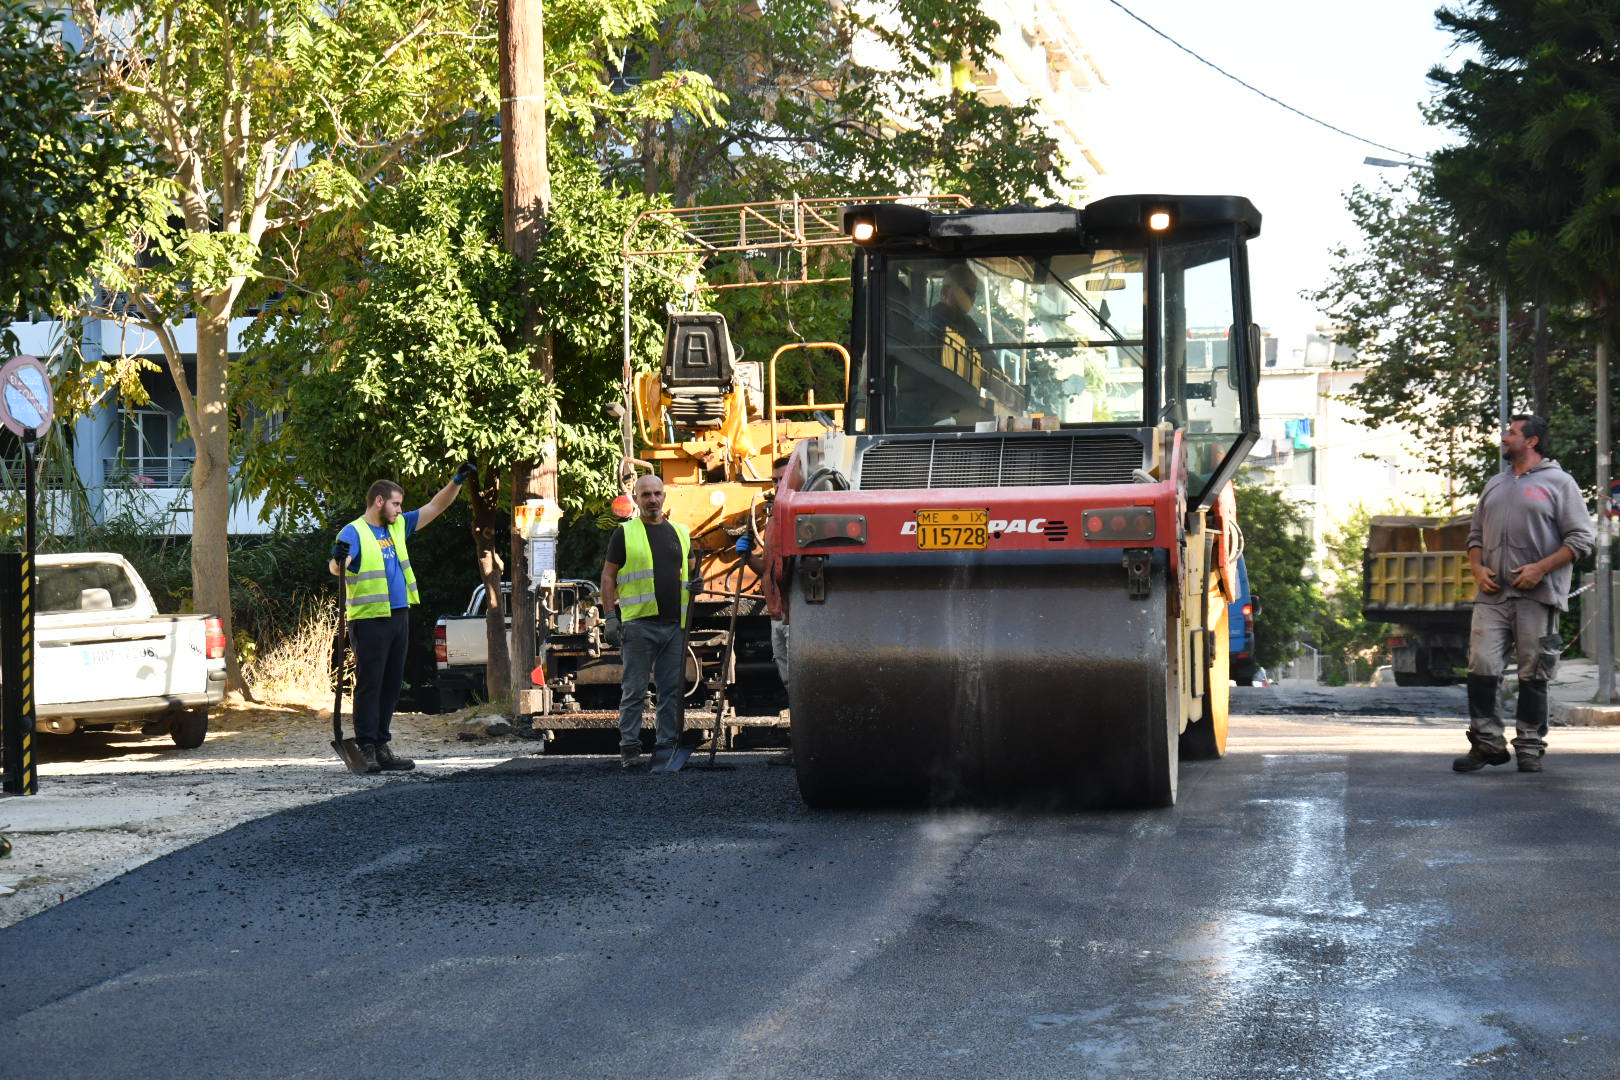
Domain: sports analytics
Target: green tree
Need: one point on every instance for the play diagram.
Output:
(821, 99)
(65, 177)
(1277, 554)
(1535, 183)
(413, 358)
(1422, 318)
(261, 115)
(1342, 634)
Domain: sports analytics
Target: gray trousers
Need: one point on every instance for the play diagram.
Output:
(656, 651)
(1518, 624)
(1528, 632)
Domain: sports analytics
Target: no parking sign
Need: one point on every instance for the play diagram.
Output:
(26, 402)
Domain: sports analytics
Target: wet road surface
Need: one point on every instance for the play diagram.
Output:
(1328, 901)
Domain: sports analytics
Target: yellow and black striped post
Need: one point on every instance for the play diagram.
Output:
(17, 673)
(17, 649)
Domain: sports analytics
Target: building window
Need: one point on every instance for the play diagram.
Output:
(146, 451)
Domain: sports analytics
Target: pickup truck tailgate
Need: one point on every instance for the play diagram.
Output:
(151, 658)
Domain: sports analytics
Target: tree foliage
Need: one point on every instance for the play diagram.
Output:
(260, 115)
(64, 175)
(1342, 634)
(1422, 318)
(1536, 182)
(411, 360)
(829, 99)
(271, 122)
(1277, 554)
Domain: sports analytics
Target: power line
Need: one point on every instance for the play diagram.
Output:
(1256, 89)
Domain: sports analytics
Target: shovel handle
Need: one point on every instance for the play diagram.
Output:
(340, 653)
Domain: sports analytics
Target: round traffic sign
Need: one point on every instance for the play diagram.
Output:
(26, 402)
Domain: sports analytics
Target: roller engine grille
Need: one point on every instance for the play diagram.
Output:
(999, 462)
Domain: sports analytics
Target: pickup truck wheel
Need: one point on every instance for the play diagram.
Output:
(188, 728)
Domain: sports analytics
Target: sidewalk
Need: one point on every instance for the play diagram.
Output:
(1570, 694)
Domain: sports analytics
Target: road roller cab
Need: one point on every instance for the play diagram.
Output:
(1007, 576)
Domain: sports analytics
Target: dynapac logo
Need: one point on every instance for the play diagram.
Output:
(997, 528)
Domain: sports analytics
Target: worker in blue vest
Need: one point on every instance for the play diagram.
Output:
(379, 588)
(649, 574)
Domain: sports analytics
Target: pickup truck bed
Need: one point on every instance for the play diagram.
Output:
(105, 658)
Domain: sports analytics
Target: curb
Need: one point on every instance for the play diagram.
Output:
(1562, 712)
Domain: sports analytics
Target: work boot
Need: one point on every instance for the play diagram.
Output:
(628, 756)
(368, 751)
(392, 762)
(1529, 761)
(1479, 755)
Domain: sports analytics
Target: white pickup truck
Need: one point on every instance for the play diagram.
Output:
(461, 642)
(104, 658)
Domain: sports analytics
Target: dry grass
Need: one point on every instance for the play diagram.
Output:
(297, 665)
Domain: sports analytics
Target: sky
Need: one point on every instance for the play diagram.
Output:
(1166, 123)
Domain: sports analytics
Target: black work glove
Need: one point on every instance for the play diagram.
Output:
(610, 630)
(340, 552)
(467, 470)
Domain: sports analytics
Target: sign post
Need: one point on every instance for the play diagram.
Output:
(27, 407)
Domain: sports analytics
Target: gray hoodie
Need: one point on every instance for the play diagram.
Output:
(1523, 518)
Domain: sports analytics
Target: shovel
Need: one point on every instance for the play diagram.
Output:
(347, 749)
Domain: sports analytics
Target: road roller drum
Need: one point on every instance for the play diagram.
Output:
(968, 682)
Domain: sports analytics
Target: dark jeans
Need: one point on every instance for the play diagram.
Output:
(379, 669)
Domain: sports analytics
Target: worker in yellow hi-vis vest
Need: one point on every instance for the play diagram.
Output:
(649, 573)
(379, 589)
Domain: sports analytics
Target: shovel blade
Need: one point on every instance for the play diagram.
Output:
(349, 751)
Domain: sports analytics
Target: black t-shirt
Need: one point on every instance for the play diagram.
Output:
(667, 569)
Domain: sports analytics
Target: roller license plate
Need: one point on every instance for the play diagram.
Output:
(953, 530)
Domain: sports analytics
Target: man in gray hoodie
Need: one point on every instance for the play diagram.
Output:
(1531, 524)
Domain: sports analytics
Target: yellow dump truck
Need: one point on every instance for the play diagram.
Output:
(1415, 576)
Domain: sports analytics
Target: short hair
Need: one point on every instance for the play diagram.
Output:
(1536, 428)
(383, 489)
(646, 476)
(781, 462)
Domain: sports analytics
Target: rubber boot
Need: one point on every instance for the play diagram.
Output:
(1532, 724)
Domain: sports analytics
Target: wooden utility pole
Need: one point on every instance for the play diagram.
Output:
(528, 206)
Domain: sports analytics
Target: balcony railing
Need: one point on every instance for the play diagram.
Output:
(147, 472)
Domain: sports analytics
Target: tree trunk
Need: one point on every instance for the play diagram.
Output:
(528, 204)
(485, 515)
(211, 478)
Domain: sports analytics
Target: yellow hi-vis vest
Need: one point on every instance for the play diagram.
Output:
(636, 599)
(368, 588)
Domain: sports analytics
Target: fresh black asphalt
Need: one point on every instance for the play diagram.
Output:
(1346, 912)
